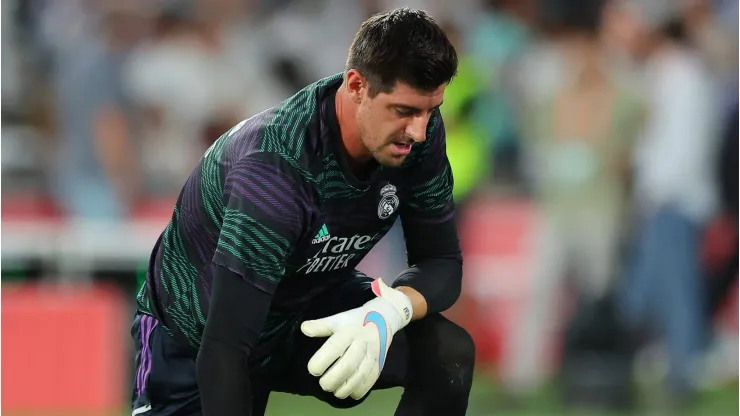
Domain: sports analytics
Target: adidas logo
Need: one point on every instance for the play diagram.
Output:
(322, 235)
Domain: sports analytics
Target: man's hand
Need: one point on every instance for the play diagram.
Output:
(358, 341)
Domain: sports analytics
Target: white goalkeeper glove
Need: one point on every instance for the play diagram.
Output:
(358, 341)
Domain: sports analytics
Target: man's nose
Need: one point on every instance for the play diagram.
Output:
(417, 128)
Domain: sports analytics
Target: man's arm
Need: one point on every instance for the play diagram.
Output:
(433, 280)
(265, 215)
(235, 319)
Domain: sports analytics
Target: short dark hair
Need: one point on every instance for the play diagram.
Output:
(402, 45)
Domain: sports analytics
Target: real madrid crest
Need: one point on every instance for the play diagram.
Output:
(388, 202)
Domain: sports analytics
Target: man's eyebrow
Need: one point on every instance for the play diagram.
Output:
(414, 109)
(408, 108)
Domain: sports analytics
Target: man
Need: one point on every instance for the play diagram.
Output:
(251, 287)
(664, 286)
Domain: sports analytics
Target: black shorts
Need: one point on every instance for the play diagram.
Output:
(166, 384)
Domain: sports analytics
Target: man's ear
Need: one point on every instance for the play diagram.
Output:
(356, 85)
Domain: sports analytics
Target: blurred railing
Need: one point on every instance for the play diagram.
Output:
(35, 230)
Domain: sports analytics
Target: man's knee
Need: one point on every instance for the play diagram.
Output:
(437, 341)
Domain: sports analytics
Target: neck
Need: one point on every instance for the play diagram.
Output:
(345, 109)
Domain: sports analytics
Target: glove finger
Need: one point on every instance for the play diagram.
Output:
(344, 368)
(333, 348)
(316, 328)
(368, 382)
(354, 381)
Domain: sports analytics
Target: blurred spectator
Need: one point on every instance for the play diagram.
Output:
(468, 149)
(714, 35)
(494, 39)
(97, 166)
(727, 168)
(674, 185)
(727, 177)
(578, 139)
(302, 25)
(194, 79)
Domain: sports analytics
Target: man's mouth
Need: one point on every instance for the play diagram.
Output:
(402, 147)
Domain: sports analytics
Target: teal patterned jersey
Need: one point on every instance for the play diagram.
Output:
(274, 201)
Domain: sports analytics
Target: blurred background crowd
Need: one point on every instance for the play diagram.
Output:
(593, 144)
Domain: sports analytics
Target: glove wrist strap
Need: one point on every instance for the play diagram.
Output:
(398, 300)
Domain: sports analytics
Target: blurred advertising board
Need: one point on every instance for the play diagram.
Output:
(497, 238)
(64, 349)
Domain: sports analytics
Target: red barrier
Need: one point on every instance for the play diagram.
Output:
(63, 349)
(497, 242)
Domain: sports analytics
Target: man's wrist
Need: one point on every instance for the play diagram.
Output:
(418, 302)
(398, 300)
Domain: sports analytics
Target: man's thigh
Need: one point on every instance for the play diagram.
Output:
(297, 380)
(165, 380)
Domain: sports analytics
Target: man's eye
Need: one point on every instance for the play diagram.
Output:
(404, 112)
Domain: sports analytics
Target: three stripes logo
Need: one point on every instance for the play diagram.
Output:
(321, 236)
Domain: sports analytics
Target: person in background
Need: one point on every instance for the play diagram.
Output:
(711, 25)
(721, 283)
(494, 39)
(674, 185)
(578, 141)
(97, 173)
(468, 149)
(197, 76)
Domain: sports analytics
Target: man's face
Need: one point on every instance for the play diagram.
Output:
(391, 123)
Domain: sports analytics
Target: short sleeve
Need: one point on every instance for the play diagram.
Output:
(266, 212)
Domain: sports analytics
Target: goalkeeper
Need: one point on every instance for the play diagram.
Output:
(252, 286)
